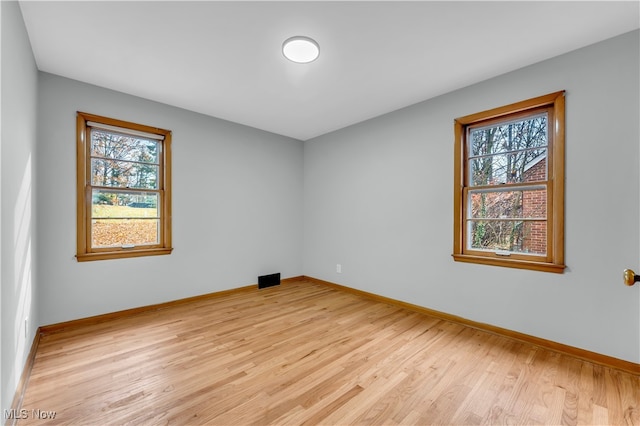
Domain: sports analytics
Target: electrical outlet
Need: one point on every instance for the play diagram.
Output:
(339, 268)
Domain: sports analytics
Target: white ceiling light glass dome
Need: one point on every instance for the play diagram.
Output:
(301, 49)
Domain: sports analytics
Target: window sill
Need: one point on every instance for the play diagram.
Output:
(511, 263)
(122, 254)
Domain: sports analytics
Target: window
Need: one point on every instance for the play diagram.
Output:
(123, 189)
(509, 185)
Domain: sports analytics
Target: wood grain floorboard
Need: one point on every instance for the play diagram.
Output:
(307, 354)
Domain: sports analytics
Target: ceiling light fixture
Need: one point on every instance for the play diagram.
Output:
(300, 49)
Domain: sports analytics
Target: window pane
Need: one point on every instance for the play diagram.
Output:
(527, 203)
(120, 204)
(509, 136)
(514, 236)
(123, 147)
(123, 174)
(119, 232)
(120, 218)
(515, 167)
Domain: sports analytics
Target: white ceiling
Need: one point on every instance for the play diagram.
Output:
(224, 58)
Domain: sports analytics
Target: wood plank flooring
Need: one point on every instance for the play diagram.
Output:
(307, 354)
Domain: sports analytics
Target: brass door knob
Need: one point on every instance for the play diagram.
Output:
(630, 277)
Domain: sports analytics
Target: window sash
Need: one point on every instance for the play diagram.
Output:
(469, 219)
(92, 248)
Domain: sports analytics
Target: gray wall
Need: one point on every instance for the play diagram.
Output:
(18, 208)
(237, 207)
(379, 201)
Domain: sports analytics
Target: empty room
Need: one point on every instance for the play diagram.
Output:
(321, 213)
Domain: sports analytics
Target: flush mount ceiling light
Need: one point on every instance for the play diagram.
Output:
(300, 49)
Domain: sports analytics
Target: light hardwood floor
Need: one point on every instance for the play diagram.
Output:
(305, 353)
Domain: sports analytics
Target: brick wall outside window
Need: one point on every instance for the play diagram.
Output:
(534, 204)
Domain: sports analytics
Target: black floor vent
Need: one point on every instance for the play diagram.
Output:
(268, 280)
